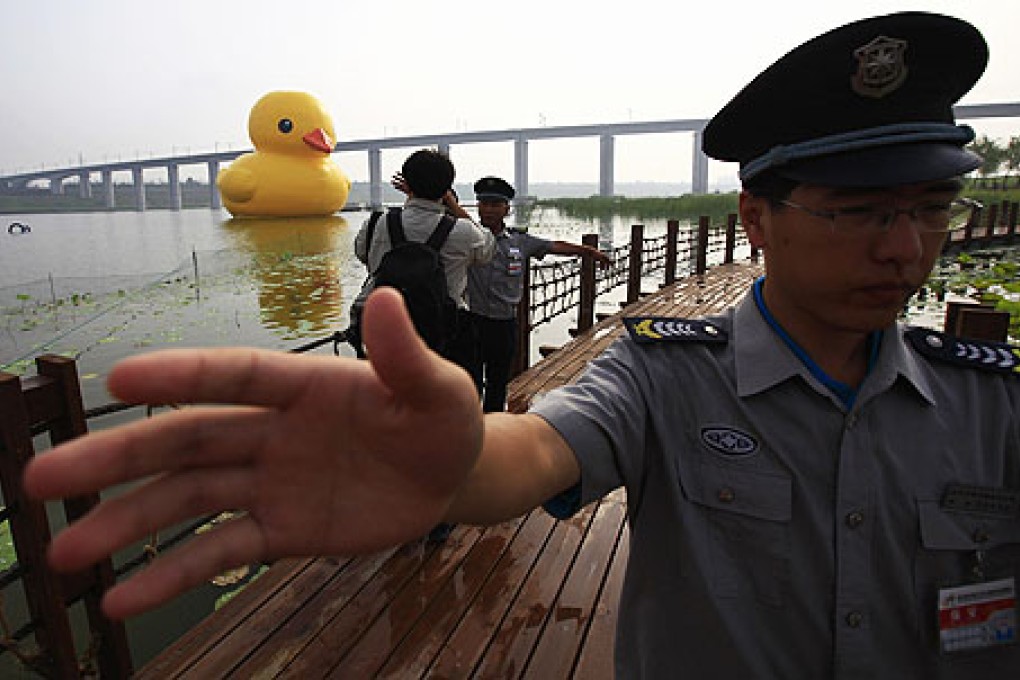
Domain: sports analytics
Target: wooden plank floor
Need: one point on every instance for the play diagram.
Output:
(533, 597)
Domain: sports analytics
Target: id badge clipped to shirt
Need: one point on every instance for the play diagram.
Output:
(977, 615)
(981, 614)
(515, 262)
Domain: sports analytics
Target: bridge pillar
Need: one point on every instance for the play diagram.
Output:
(521, 167)
(56, 185)
(139, 183)
(375, 177)
(84, 185)
(699, 166)
(606, 164)
(173, 178)
(215, 203)
(111, 202)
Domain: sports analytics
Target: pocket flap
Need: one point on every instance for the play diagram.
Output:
(942, 530)
(765, 495)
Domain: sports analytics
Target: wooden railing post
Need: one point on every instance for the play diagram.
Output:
(52, 401)
(672, 233)
(702, 258)
(637, 235)
(731, 237)
(968, 230)
(992, 221)
(522, 358)
(586, 297)
(30, 530)
(980, 322)
(114, 653)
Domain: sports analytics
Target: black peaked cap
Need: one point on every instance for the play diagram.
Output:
(843, 106)
(493, 188)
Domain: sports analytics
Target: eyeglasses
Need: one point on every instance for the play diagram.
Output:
(936, 216)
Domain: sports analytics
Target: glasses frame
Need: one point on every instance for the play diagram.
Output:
(891, 214)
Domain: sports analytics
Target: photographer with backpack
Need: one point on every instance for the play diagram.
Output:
(425, 253)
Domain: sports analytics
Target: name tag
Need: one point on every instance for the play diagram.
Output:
(515, 263)
(977, 616)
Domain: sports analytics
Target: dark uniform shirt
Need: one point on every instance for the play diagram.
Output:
(774, 533)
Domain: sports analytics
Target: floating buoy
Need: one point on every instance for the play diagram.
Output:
(18, 228)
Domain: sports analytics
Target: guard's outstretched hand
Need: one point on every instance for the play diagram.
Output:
(325, 456)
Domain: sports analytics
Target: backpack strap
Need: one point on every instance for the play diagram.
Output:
(396, 227)
(441, 232)
(370, 232)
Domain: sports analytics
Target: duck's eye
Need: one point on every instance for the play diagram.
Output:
(285, 125)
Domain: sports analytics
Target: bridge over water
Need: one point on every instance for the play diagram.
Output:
(521, 138)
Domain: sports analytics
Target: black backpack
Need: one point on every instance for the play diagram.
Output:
(416, 270)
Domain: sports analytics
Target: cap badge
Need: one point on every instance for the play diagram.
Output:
(880, 67)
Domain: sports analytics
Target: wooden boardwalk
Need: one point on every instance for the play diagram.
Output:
(534, 597)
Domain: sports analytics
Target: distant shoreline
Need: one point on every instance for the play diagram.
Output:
(195, 194)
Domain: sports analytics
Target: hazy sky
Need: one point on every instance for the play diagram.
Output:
(105, 80)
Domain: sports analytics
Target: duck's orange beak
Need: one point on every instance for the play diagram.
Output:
(319, 139)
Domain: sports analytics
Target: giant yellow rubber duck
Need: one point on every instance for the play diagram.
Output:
(290, 173)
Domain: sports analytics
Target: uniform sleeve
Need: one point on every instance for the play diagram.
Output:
(536, 246)
(603, 419)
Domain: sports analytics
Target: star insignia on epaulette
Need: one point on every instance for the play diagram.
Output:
(648, 329)
(989, 356)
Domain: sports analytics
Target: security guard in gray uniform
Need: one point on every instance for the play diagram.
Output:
(813, 490)
(495, 289)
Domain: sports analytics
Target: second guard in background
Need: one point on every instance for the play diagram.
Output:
(495, 288)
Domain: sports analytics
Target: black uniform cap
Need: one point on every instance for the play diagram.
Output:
(866, 104)
(493, 189)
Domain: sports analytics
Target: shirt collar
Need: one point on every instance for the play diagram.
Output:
(424, 204)
(763, 360)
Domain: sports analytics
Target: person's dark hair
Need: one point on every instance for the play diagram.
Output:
(771, 186)
(429, 174)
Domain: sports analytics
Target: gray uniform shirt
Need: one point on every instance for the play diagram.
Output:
(495, 288)
(467, 245)
(773, 534)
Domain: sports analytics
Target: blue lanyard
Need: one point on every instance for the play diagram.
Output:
(844, 392)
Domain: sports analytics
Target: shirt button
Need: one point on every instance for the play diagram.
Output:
(854, 619)
(850, 421)
(726, 495)
(855, 519)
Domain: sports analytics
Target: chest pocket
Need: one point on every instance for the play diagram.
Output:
(950, 542)
(953, 544)
(747, 515)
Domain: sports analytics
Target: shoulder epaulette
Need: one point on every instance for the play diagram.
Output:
(646, 329)
(990, 356)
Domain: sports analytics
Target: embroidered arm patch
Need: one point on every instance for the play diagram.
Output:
(989, 356)
(649, 329)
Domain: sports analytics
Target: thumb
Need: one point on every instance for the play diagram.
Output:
(398, 355)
